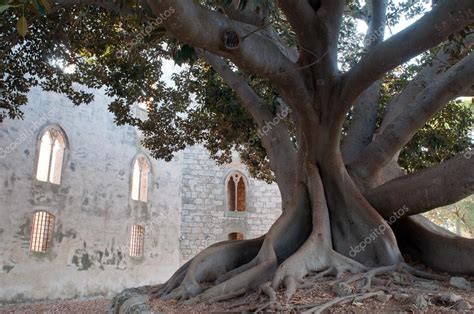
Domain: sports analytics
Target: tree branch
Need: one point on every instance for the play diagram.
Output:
(377, 23)
(363, 122)
(427, 32)
(202, 28)
(316, 24)
(406, 97)
(440, 185)
(260, 18)
(276, 141)
(301, 17)
(396, 135)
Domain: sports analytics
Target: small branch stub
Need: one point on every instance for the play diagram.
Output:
(231, 39)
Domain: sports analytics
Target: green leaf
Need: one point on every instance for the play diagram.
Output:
(22, 26)
(5, 7)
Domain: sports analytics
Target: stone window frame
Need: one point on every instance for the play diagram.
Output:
(65, 153)
(149, 179)
(229, 176)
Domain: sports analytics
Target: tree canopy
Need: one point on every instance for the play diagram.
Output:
(69, 46)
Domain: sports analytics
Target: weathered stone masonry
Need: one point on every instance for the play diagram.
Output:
(205, 218)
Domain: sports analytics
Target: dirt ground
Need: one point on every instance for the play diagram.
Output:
(323, 293)
(402, 299)
(96, 305)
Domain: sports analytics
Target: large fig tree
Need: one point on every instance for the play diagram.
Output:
(305, 101)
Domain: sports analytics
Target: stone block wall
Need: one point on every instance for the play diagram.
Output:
(205, 218)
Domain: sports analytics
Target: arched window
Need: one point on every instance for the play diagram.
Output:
(51, 155)
(137, 240)
(41, 231)
(235, 236)
(140, 178)
(236, 192)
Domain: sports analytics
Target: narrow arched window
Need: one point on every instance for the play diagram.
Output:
(41, 231)
(236, 192)
(140, 178)
(137, 240)
(51, 156)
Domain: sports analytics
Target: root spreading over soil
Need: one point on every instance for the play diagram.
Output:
(383, 289)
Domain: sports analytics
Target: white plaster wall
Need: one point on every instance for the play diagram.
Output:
(92, 206)
(186, 211)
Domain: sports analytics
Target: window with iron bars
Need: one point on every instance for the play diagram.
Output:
(137, 241)
(41, 231)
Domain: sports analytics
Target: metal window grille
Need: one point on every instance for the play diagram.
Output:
(137, 240)
(41, 231)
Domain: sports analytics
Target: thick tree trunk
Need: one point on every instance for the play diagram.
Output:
(328, 224)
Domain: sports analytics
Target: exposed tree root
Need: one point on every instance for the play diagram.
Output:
(229, 296)
(316, 276)
(319, 308)
(207, 266)
(311, 258)
(270, 292)
(272, 299)
(250, 279)
(413, 273)
(246, 281)
(236, 271)
(434, 246)
(369, 276)
(297, 252)
(179, 275)
(362, 291)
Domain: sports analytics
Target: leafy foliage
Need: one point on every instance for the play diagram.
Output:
(458, 217)
(444, 136)
(114, 45)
